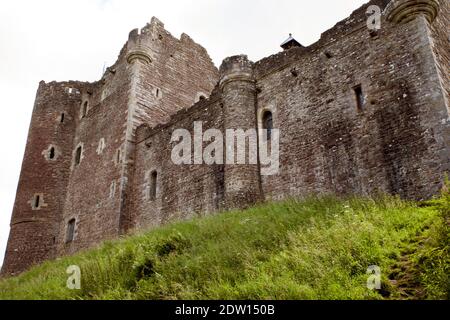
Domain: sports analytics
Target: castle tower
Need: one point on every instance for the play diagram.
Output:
(359, 111)
(430, 19)
(238, 87)
(45, 170)
(166, 75)
(79, 162)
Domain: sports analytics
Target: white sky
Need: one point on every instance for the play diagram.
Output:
(72, 40)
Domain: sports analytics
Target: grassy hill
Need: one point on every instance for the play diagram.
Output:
(318, 248)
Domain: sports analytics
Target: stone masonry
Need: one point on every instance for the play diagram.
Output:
(360, 111)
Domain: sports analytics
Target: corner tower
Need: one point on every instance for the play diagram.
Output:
(238, 86)
(41, 191)
(431, 21)
(167, 74)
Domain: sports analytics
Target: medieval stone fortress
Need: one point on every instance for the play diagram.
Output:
(360, 111)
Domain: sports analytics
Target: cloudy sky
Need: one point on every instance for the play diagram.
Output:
(73, 40)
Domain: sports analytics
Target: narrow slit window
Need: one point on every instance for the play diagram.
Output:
(62, 117)
(51, 154)
(118, 156)
(153, 185)
(359, 95)
(157, 93)
(267, 122)
(70, 231)
(37, 201)
(78, 156)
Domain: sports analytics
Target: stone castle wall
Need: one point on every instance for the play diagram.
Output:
(327, 144)
(395, 141)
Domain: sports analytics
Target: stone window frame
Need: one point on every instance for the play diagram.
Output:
(199, 96)
(101, 146)
(74, 155)
(84, 109)
(151, 191)
(260, 114)
(112, 189)
(47, 152)
(51, 153)
(70, 234)
(157, 92)
(38, 198)
(264, 125)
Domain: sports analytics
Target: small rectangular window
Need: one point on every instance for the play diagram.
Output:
(153, 185)
(359, 97)
(70, 231)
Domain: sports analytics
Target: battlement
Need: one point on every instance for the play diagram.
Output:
(357, 112)
(236, 68)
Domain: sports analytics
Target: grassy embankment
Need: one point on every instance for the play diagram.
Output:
(317, 248)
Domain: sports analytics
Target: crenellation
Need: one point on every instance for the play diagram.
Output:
(357, 112)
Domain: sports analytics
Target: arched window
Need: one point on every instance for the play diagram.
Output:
(267, 123)
(70, 231)
(200, 96)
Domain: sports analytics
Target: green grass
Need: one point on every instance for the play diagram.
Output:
(317, 248)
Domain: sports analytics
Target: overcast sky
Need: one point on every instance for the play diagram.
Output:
(72, 40)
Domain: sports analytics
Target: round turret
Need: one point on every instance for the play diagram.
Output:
(403, 11)
(236, 68)
(241, 181)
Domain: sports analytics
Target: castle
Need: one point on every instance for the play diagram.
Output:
(361, 110)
